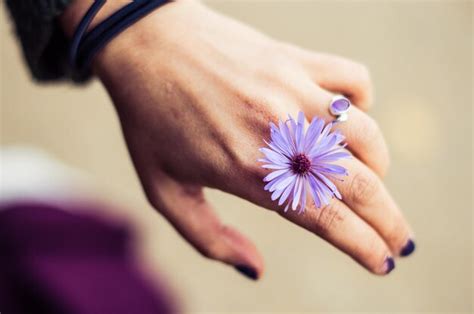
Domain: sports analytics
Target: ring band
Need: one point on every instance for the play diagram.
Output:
(339, 108)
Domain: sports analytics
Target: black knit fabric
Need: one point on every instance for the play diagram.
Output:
(44, 45)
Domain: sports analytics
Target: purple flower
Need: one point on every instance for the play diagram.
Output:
(303, 161)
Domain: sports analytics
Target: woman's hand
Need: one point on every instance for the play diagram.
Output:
(195, 92)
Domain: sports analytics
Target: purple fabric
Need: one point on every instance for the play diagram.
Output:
(54, 261)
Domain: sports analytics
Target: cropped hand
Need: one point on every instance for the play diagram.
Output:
(195, 92)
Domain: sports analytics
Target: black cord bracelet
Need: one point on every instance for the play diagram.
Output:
(85, 46)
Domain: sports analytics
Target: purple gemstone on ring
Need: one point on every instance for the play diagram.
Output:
(340, 106)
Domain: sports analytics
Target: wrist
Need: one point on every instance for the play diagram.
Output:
(129, 50)
(131, 41)
(73, 14)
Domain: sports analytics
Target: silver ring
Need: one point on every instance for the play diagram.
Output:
(339, 108)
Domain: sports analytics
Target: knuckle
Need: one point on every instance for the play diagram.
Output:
(370, 135)
(372, 128)
(214, 247)
(211, 250)
(258, 128)
(363, 188)
(369, 131)
(327, 218)
(260, 108)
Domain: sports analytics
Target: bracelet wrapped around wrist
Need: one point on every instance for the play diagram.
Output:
(85, 46)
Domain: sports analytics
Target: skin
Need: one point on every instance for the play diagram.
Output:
(195, 91)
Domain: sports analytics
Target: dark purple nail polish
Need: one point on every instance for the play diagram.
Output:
(247, 271)
(389, 264)
(408, 248)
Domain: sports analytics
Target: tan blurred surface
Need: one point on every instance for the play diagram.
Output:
(420, 55)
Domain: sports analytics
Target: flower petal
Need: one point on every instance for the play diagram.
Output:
(330, 168)
(296, 193)
(284, 182)
(275, 166)
(273, 156)
(276, 194)
(320, 188)
(285, 131)
(287, 192)
(278, 149)
(303, 197)
(313, 184)
(321, 145)
(325, 144)
(333, 154)
(275, 174)
(313, 132)
(299, 135)
(330, 185)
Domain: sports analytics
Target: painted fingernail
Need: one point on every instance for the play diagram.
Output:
(408, 248)
(389, 264)
(247, 271)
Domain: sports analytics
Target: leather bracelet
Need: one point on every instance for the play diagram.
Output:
(85, 46)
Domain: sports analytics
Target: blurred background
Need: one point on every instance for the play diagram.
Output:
(420, 55)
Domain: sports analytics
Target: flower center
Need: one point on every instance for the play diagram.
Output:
(300, 164)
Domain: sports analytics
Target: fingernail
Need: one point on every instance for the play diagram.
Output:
(408, 248)
(389, 264)
(247, 271)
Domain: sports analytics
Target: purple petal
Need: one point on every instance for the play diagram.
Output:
(293, 126)
(324, 192)
(275, 166)
(324, 145)
(275, 174)
(278, 149)
(296, 193)
(287, 136)
(273, 184)
(276, 194)
(326, 130)
(335, 150)
(329, 168)
(301, 118)
(284, 182)
(278, 140)
(329, 184)
(299, 135)
(303, 197)
(320, 188)
(270, 186)
(334, 157)
(313, 184)
(320, 140)
(287, 192)
(314, 130)
(274, 157)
